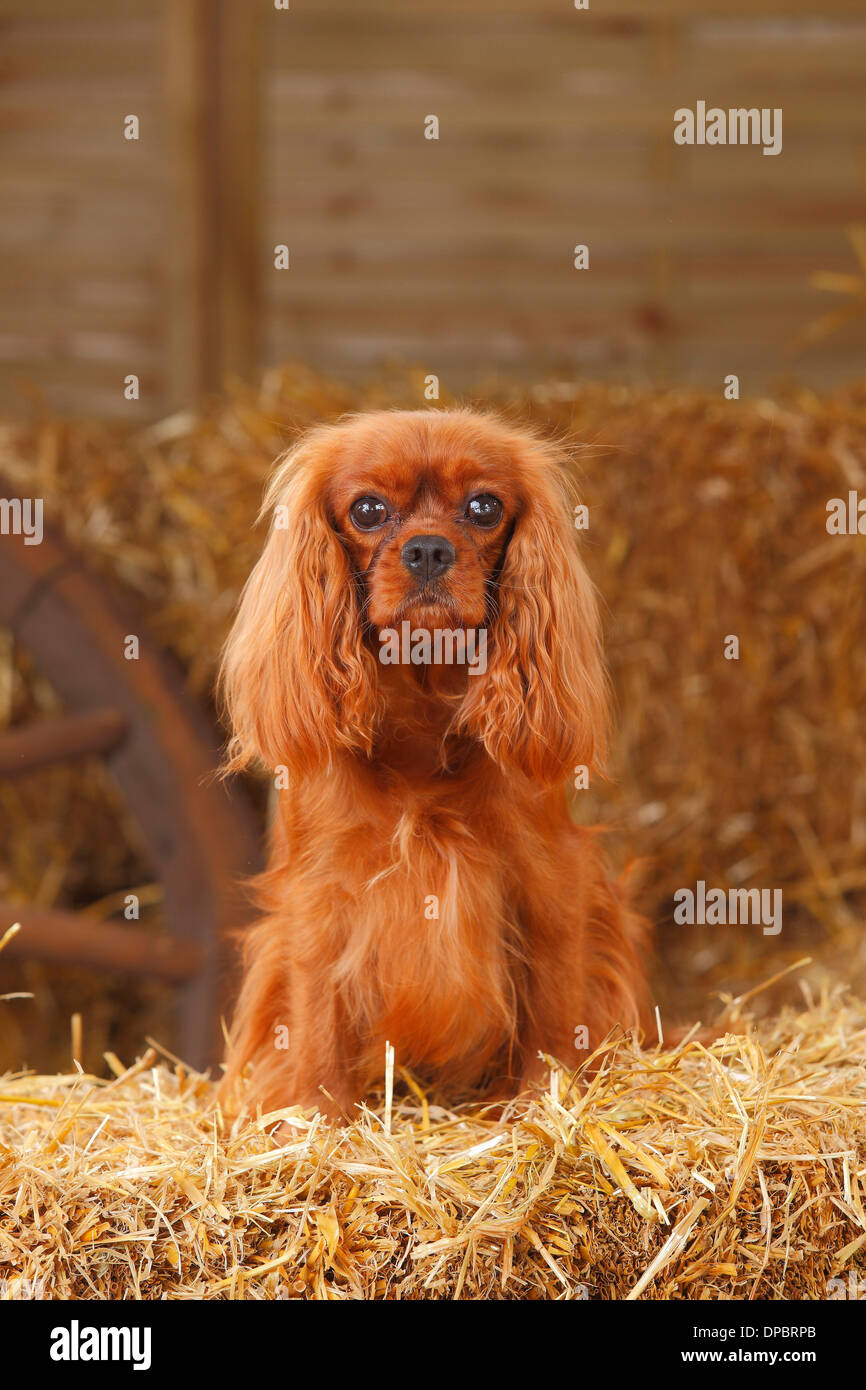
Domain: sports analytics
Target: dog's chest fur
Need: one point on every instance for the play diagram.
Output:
(428, 952)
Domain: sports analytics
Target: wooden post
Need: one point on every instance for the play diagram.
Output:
(238, 193)
(211, 105)
(190, 326)
(665, 352)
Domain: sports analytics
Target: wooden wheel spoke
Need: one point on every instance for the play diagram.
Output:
(69, 938)
(66, 739)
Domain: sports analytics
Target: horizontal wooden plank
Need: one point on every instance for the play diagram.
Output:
(128, 319)
(82, 234)
(74, 388)
(338, 11)
(42, 170)
(551, 169)
(834, 114)
(642, 297)
(75, 343)
(99, 234)
(510, 201)
(128, 337)
(709, 68)
(71, 47)
(600, 11)
(39, 107)
(48, 11)
(423, 48)
(412, 239)
(437, 329)
(70, 286)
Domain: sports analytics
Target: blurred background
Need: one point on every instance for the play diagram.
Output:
(280, 242)
(304, 127)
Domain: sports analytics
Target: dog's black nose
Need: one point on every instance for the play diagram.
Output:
(428, 556)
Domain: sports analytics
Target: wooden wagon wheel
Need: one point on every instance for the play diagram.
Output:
(200, 835)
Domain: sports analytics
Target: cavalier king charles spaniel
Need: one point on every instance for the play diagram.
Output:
(416, 660)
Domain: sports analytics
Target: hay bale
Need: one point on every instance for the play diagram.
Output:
(734, 1171)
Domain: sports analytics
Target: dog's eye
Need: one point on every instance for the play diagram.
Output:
(368, 513)
(484, 510)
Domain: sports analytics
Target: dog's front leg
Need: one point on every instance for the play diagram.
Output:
(289, 1030)
(320, 1062)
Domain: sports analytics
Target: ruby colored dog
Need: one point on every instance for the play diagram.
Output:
(426, 885)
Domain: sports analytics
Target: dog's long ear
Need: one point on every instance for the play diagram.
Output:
(543, 703)
(296, 681)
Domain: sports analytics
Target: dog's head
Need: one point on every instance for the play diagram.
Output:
(447, 520)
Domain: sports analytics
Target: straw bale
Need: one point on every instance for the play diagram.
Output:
(736, 1170)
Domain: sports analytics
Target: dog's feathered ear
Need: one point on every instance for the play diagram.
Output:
(543, 703)
(296, 681)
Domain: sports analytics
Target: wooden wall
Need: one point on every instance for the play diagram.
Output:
(306, 127)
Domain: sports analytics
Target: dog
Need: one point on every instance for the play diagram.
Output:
(426, 885)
